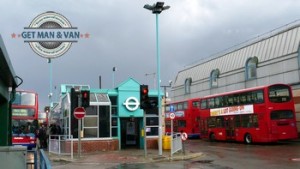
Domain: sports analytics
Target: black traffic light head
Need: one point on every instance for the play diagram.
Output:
(47, 109)
(144, 98)
(85, 98)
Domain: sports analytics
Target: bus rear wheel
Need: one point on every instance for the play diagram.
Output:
(248, 138)
(212, 137)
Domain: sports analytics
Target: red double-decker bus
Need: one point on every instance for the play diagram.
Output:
(186, 119)
(259, 114)
(25, 118)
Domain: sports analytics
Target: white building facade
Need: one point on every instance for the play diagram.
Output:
(269, 59)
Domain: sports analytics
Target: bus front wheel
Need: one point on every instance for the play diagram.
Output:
(212, 137)
(248, 138)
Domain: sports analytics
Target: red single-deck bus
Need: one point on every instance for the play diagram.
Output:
(187, 116)
(25, 118)
(259, 114)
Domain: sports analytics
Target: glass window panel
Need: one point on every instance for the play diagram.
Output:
(102, 97)
(251, 68)
(196, 104)
(90, 132)
(282, 114)
(24, 98)
(92, 110)
(180, 106)
(114, 132)
(93, 97)
(187, 85)
(204, 104)
(185, 105)
(181, 123)
(279, 94)
(167, 108)
(151, 121)
(152, 131)
(90, 121)
(104, 121)
(211, 103)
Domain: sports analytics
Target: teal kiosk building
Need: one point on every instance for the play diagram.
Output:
(113, 121)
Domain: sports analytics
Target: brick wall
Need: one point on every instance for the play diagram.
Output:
(88, 146)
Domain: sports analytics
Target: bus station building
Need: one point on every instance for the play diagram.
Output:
(113, 121)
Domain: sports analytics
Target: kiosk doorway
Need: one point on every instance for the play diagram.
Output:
(130, 132)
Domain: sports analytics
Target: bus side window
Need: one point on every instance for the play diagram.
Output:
(237, 120)
(211, 103)
(204, 104)
(258, 96)
(255, 120)
(230, 100)
(175, 107)
(218, 102)
(249, 98)
(225, 101)
(243, 99)
(211, 122)
(236, 100)
(180, 106)
(220, 122)
(244, 120)
(185, 105)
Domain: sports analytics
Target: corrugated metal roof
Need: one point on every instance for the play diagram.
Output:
(277, 43)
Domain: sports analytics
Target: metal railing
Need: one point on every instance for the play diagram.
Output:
(44, 161)
(61, 145)
(176, 143)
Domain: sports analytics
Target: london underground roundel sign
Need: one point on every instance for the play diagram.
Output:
(79, 112)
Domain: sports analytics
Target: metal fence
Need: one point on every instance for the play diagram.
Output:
(176, 143)
(61, 145)
(44, 161)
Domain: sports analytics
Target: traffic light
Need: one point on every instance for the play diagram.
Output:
(144, 98)
(85, 98)
(47, 109)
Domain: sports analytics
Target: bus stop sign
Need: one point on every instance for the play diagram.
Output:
(79, 112)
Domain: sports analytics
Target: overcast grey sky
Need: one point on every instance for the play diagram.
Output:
(122, 35)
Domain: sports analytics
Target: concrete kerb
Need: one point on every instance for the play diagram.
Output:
(139, 159)
(177, 157)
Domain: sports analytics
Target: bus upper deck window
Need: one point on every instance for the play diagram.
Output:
(279, 93)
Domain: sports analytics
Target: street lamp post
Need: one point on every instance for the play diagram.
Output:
(153, 74)
(157, 9)
(165, 93)
(113, 76)
(50, 89)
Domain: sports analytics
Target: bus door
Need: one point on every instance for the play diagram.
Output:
(230, 127)
(203, 126)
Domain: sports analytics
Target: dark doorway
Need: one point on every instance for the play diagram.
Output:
(130, 134)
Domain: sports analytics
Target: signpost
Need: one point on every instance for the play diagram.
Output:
(184, 137)
(172, 117)
(79, 113)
